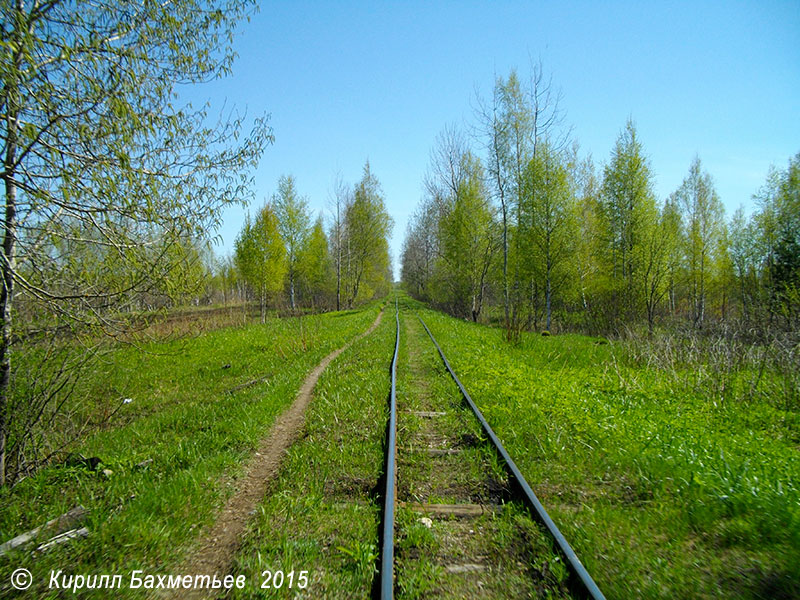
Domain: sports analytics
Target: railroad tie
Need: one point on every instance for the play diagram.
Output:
(464, 511)
(431, 451)
(429, 414)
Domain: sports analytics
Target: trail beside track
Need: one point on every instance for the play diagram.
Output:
(214, 552)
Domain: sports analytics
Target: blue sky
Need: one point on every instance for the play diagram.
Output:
(351, 81)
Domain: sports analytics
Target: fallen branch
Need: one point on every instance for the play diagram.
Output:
(63, 538)
(50, 531)
(250, 383)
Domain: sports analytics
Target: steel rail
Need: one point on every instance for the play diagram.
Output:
(387, 549)
(583, 582)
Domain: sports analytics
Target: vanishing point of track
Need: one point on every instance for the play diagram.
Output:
(580, 583)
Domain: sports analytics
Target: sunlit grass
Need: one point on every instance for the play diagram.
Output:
(197, 409)
(664, 490)
(323, 513)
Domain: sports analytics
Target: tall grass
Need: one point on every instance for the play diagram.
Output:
(724, 366)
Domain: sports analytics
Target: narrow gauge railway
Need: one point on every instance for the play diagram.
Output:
(459, 519)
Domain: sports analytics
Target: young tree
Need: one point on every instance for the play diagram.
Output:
(587, 252)
(787, 250)
(466, 241)
(672, 223)
(703, 217)
(342, 199)
(420, 250)
(653, 256)
(495, 130)
(367, 227)
(315, 267)
(98, 163)
(743, 254)
(628, 199)
(261, 256)
(294, 225)
(230, 280)
(778, 223)
(547, 206)
(517, 121)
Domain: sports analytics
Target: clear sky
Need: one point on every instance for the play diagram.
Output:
(351, 81)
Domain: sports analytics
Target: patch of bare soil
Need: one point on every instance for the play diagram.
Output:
(215, 550)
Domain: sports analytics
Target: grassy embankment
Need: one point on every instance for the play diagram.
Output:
(193, 416)
(665, 488)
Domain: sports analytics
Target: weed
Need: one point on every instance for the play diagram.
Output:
(363, 556)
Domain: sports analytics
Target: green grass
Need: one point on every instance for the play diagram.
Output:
(323, 513)
(664, 490)
(182, 415)
(665, 486)
(516, 555)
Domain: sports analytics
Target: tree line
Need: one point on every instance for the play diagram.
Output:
(515, 219)
(280, 255)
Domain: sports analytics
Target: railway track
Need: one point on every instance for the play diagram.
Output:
(459, 519)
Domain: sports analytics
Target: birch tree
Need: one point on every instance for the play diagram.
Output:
(261, 255)
(294, 224)
(315, 267)
(703, 220)
(654, 253)
(466, 241)
(495, 131)
(420, 250)
(549, 208)
(778, 240)
(628, 199)
(367, 227)
(98, 162)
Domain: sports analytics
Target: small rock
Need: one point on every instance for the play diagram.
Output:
(427, 522)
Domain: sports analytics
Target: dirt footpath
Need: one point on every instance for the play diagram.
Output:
(215, 550)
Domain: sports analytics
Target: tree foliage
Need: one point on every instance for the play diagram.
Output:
(366, 266)
(315, 268)
(107, 182)
(581, 247)
(316, 277)
(703, 233)
(629, 208)
(294, 224)
(261, 255)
